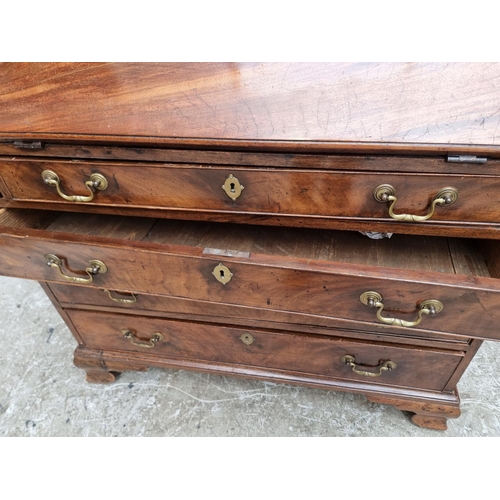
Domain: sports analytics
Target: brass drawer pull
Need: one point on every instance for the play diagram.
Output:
(374, 299)
(384, 366)
(132, 300)
(386, 193)
(96, 181)
(95, 267)
(233, 187)
(132, 334)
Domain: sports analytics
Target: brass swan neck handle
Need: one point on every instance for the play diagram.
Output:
(95, 182)
(427, 307)
(382, 367)
(386, 193)
(94, 267)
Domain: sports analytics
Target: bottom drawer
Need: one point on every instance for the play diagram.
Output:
(297, 353)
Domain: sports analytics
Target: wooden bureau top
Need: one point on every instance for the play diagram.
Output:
(270, 105)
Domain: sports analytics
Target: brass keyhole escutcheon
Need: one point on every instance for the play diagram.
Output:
(222, 274)
(232, 187)
(247, 339)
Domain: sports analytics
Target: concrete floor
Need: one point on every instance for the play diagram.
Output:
(44, 394)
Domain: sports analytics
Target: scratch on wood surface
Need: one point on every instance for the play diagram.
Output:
(214, 110)
(253, 118)
(270, 119)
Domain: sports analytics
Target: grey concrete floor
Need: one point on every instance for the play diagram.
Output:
(43, 394)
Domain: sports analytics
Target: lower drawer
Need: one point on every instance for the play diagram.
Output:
(298, 353)
(79, 297)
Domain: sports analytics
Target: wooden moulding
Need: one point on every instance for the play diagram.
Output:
(424, 414)
(349, 157)
(430, 409)
(166, 148)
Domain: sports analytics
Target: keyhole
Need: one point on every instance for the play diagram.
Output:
(247, 338)
(222, 274)
(232, 187)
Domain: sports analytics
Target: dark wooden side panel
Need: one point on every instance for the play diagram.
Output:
(491, 251)
(475, 344)
(61, 311)
(4, 192)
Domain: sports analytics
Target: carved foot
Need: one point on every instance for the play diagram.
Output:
(428, 422)
(99, 376)
(95, 366)
(427, 415)
(101, 369)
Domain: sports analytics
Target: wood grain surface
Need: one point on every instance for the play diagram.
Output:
(287, 351)
(332, 195)
(87, 298)
(299, 192)
(416, 103)
(309, 142)
(295, 275)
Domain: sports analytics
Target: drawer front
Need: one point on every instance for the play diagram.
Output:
(267, 282)
(180, 308)
(289, 352)
(264, 191)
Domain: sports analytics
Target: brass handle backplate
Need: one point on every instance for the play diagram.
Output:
(383, 366)
(233, 187)
(95, 182)
(132, 300)
(94, 267)
(386, 193)
(132, 335)
(374, 299)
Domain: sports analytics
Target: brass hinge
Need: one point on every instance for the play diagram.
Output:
(466, 159)
(28, 145)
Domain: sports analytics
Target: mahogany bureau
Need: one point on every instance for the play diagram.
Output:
(237, 219)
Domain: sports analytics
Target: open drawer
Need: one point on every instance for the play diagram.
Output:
(426, 284)
(438, 203)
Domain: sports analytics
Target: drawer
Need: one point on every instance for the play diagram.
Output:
(80, 297)
(288, 352)
(197, 190)
(322, 273)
